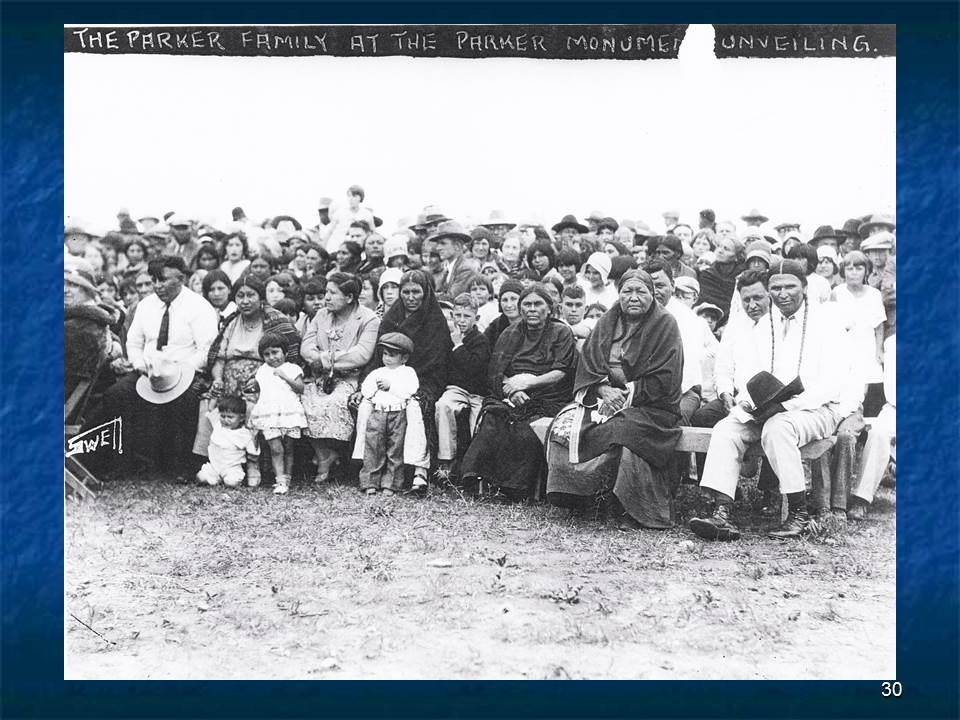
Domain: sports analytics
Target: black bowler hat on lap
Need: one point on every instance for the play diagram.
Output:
(766, 391)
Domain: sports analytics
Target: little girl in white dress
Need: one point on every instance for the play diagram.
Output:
(278, 413)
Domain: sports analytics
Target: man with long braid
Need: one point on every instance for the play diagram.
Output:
(796, 339)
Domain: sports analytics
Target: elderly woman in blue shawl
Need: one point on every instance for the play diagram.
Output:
(622, 428)
(531, 378)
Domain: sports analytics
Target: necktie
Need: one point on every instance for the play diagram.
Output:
(787, 322)
(164, 334)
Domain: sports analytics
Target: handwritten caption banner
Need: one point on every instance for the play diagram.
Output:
(564, 42)
(570, 42)
(800, 41)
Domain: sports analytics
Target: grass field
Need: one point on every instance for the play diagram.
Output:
(167, 581)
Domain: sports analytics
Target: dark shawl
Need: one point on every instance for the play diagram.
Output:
(718, 282)
(555, 349)
(653, 363)
(427, 327)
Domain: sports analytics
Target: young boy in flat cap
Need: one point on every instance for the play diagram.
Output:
(387, 391)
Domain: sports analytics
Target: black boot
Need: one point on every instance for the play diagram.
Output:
(717, 527)
(771, 504)
(793, 527)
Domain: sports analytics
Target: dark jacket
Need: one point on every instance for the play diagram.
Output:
(469, 363)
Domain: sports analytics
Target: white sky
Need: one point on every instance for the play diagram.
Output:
(812, 140)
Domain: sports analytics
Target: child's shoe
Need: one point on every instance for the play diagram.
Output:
(387, 492)
(282, 486)
(419, 482)
(371, 491)
(253, 474)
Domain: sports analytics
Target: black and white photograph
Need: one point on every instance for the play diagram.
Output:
(480, 352)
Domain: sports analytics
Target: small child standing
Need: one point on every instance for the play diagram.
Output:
(278, 413)
(231, 444)
(387, 391)
(466, 383)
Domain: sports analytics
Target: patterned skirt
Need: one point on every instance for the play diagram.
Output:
(328, 416)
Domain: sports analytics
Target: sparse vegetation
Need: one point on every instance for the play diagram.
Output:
(325, 583)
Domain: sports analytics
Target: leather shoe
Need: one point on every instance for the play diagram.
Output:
(717, 527)
(771, 504)
(793, 527)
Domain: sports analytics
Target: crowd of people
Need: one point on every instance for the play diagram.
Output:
(507, 359)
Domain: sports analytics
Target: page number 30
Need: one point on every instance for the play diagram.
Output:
(891, 689)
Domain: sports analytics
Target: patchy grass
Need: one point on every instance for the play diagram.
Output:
(199, 582)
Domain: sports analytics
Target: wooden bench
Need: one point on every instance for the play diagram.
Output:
(697, 440)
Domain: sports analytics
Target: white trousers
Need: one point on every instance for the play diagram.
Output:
(415, 450)
(877, 452)
(782, 437)
(454, 401)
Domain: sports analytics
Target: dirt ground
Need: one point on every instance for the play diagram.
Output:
(165, 581)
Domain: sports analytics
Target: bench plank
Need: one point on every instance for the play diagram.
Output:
(697, 439)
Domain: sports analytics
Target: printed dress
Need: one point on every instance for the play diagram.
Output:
(278, 412)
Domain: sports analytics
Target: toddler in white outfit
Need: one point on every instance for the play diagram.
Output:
(230, 444)
(386, 391)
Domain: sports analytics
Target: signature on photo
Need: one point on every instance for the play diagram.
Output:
(108, 434)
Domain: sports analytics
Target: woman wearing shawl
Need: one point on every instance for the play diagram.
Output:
(531, 378)
(417, 315)
(718, 282)
(623, 426)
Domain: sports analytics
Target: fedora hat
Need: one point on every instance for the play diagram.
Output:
(165, 381)
(324, 203)
(824, 232)
(787, 226)
(766, 390)
(453, 230)
(877, 221)
(570, 221)
(433, 214)
(851, 228)
(498, 217)
(754, 214)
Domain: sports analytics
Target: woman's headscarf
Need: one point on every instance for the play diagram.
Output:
(651, 352)
(428, 329)
(600, 262)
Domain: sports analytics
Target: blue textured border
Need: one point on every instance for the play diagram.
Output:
(32, 166)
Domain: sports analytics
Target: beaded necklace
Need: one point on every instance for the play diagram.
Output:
(803, 338)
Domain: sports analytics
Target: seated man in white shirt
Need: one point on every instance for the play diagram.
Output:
(883, 430)
(174, 326)
(794, 339)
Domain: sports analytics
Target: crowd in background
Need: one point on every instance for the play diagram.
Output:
(435, 352)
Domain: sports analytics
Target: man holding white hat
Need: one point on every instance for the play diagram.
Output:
(167, 344)
(797, 346)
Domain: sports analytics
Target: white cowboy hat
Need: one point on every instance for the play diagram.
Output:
(165, 381)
